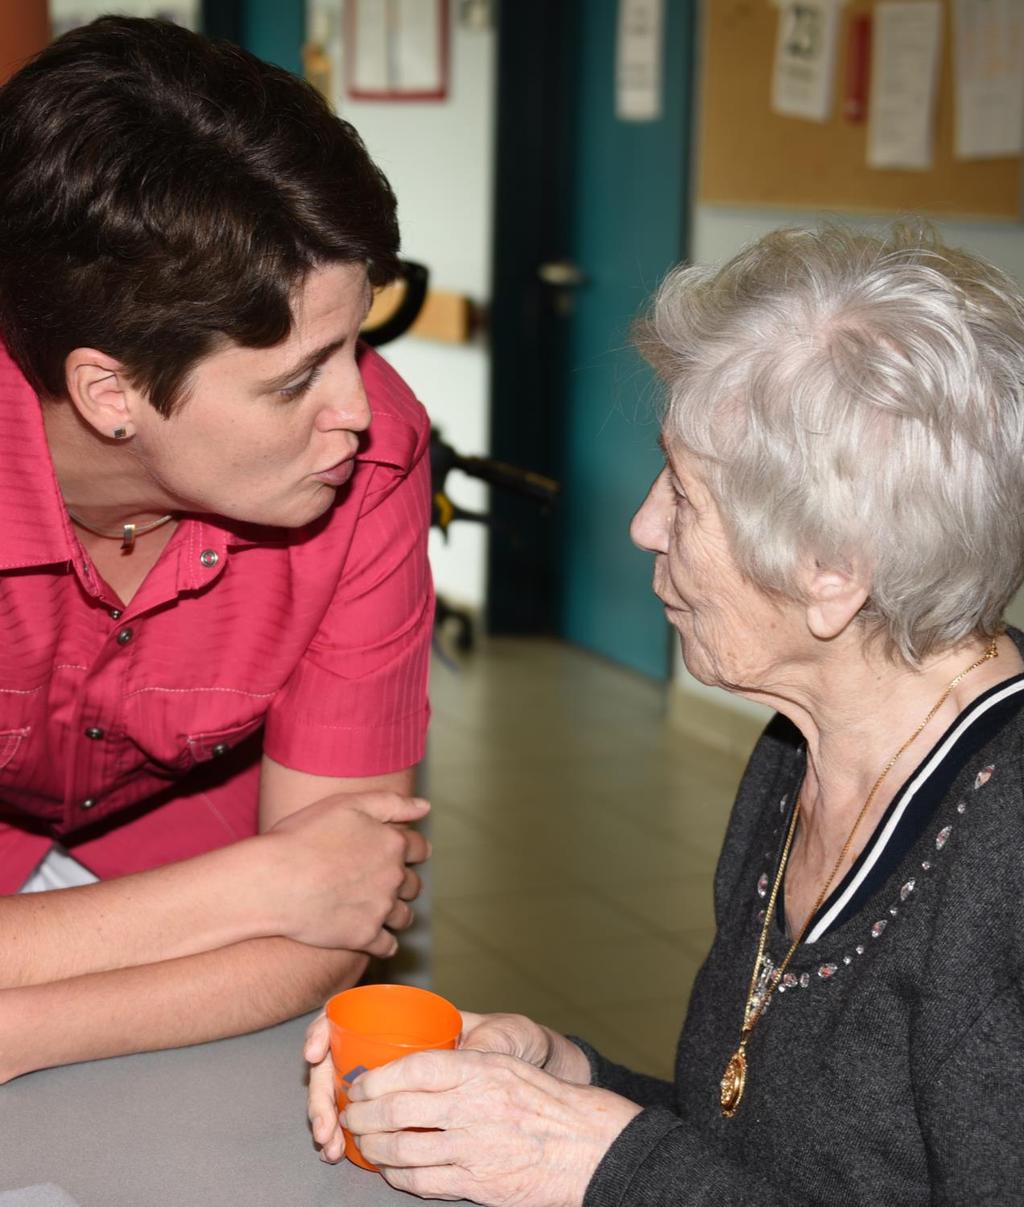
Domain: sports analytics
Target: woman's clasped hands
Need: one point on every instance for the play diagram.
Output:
(511, 1118)
(340, 872)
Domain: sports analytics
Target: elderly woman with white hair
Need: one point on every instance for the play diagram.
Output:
(837, 531)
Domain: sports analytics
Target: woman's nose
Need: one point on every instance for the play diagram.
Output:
(352, 415)
(649, 527)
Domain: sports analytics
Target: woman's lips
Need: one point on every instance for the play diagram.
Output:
(338, 474)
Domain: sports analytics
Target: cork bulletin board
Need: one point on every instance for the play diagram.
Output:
(752, 156)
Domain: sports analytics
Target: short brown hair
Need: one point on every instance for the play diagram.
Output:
(160, 192)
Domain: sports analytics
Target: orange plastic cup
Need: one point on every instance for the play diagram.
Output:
(375, 1024)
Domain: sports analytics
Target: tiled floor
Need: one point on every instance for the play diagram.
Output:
(575, 836)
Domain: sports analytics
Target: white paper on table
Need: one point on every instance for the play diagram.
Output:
(804, 72)
(43, 1194)
(906, 41)
(639, 51)
(989, 64)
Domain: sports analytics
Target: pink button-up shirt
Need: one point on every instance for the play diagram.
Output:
(133, 735)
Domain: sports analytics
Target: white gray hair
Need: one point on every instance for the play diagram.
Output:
(858, 399)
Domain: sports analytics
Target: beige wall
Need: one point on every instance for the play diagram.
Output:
(438, 156)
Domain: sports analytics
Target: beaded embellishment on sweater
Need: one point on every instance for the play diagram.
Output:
(829, 969)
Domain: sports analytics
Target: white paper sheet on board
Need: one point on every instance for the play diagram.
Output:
(371, 66)
(639, 52)
(804, 71)
(397, 47)
(988, 53)
(906, 43)
(417, 60)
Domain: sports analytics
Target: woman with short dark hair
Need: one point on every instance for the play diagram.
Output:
(837, 531)
(215, 605)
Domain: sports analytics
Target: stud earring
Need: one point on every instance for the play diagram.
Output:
(120, 433)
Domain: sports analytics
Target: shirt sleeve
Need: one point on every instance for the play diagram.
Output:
(640, 1088)
(356, 704)
(658, 1160)
(970, 1114)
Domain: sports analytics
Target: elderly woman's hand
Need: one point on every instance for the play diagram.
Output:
(320, 1101)
(518, 1036)
(506, 1034)
(502, 1131)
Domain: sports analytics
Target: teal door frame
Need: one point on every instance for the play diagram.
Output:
(629, 199)
(568, 395)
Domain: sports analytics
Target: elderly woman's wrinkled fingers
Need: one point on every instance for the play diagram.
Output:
(430, 1072)
(409, 1150)
(318, 1039)
(333, 1147)
(520, 1037)
(407, 1109)
(511, 1035)
(470, 1020)
(442, 1089)
(509, 1133)
(430, 1182)
(320, 1103)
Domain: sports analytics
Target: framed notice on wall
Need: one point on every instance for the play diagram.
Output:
(396, 50)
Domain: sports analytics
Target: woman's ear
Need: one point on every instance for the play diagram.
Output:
(832, 599)
(100, 391)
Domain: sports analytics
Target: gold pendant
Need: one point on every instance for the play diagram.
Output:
(733, 1082)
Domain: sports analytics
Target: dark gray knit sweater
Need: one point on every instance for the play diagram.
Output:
(891, 1069)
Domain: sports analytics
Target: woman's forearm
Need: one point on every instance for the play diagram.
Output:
(210, 901)
(168, 1004)
(328, 874)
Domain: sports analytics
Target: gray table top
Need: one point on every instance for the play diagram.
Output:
(219, 1125)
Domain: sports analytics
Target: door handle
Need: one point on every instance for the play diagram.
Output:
(563, 273)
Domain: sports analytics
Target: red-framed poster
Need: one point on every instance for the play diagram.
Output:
(396, 50)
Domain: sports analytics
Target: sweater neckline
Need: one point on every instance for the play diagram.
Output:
(909, 814)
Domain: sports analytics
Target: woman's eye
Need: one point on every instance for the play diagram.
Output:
(300, 387)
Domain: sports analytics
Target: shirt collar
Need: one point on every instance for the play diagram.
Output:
(392, 437)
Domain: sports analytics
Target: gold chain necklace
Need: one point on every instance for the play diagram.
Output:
(127, 533)
(735, 1078)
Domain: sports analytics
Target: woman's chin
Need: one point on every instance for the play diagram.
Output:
(698, 667)
(700, 673)
(290, 513)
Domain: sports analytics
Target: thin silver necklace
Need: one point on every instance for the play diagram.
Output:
(127, 532)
